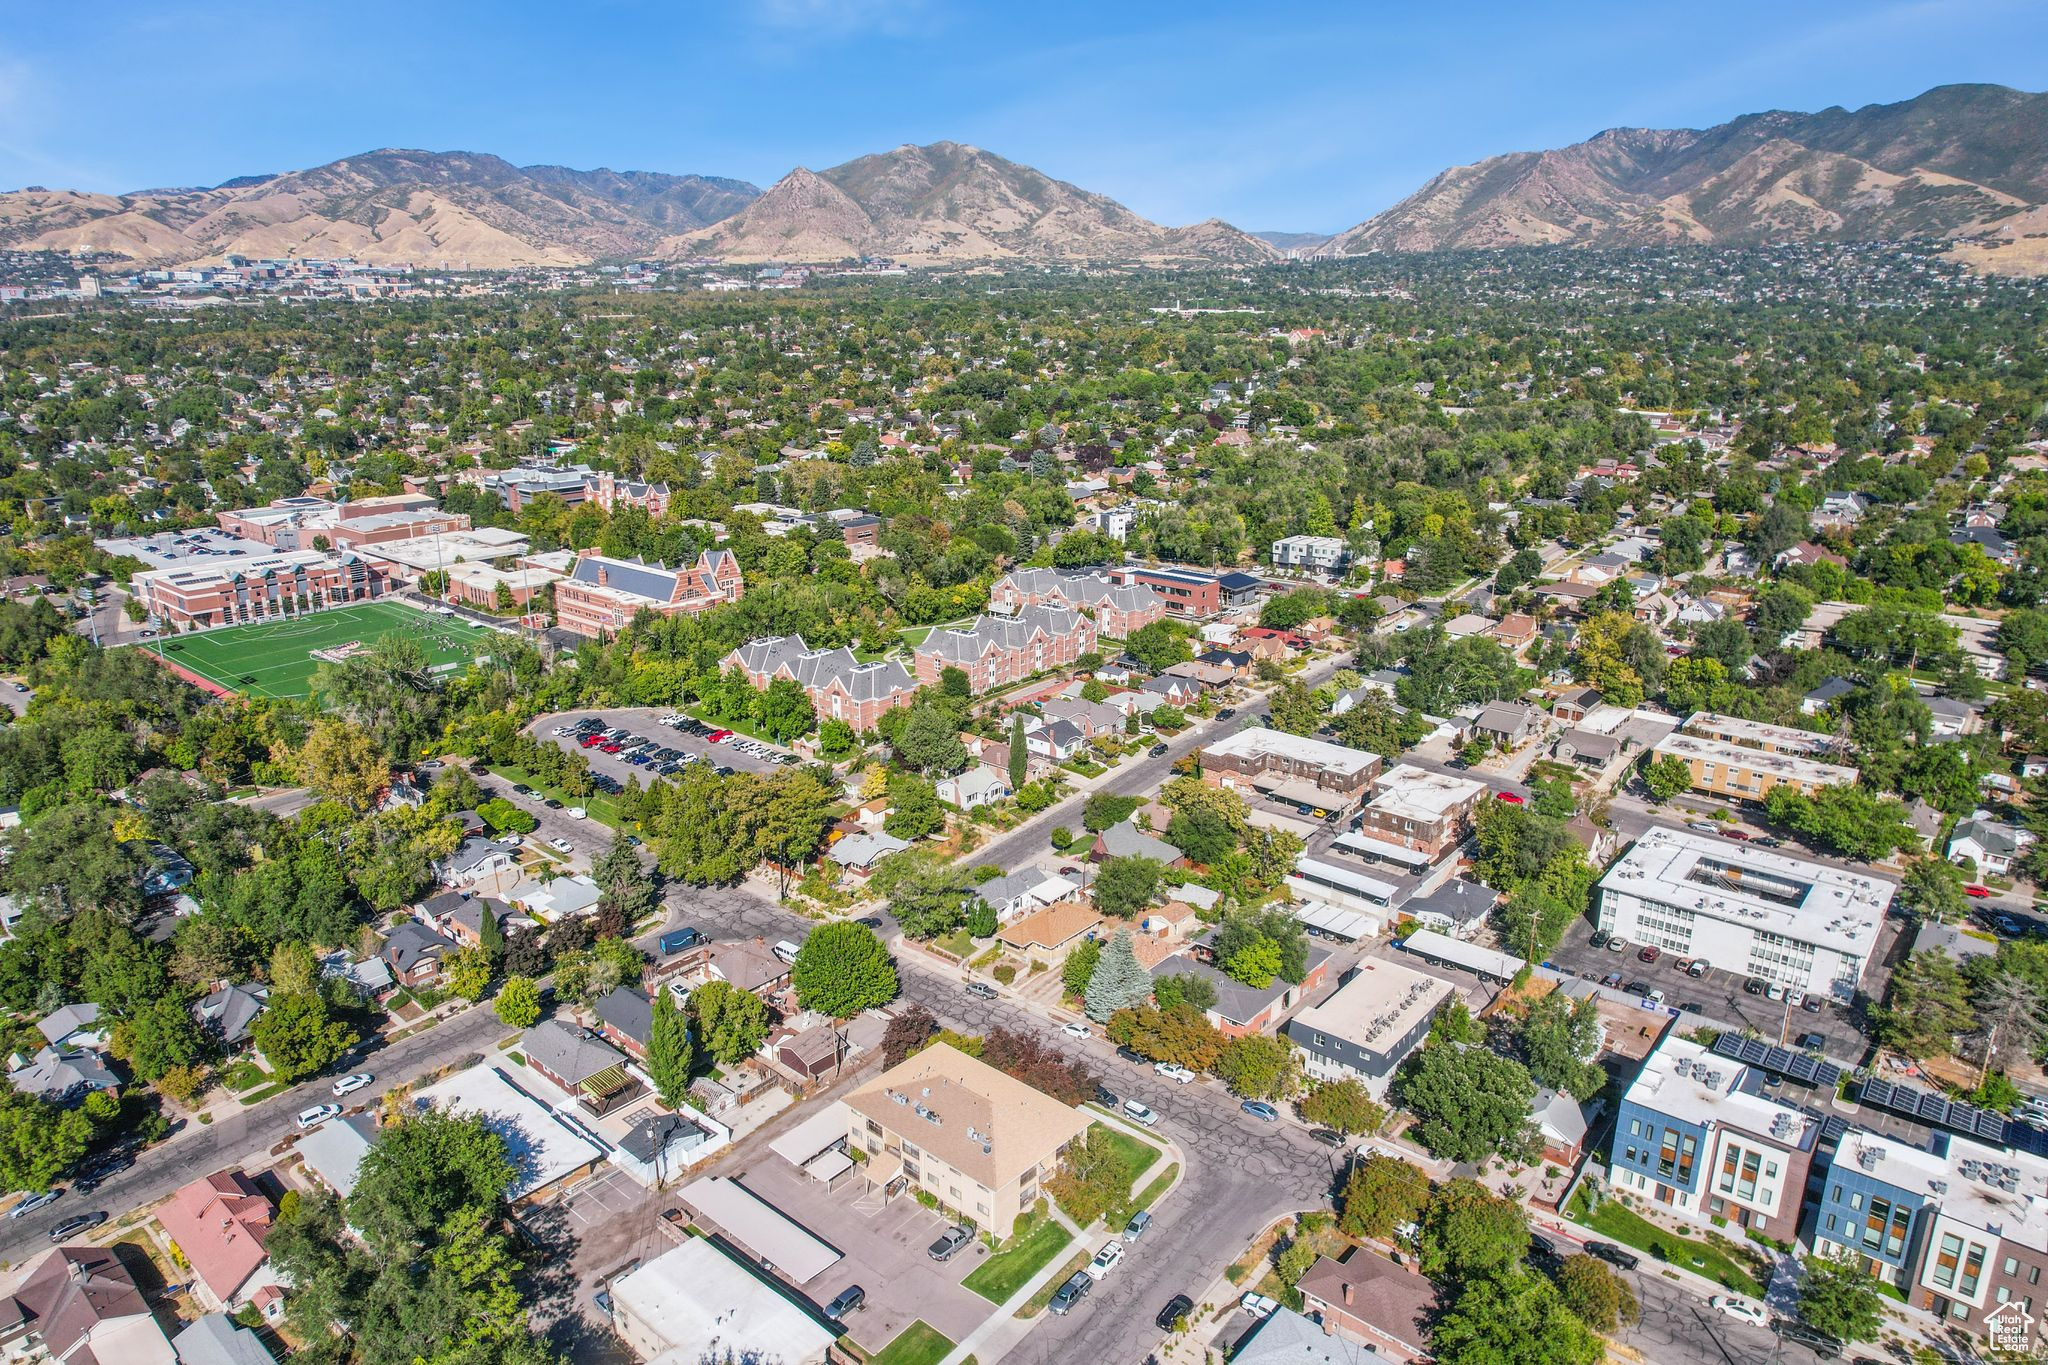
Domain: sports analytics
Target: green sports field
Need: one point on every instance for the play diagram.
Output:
(275, 658)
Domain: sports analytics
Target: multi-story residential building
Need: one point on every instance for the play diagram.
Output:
(1961, 1230)
(860, 530)
(1370, 1025)
(602, 595)
(1416, 816)
(611, 492)
(1741, 773)
(1698, 1135)
(1805, 926)
(840, 686)
(1326, 554)
(973, 1138)
(262, 589)
(520, 484)
(1309, 774)
(999, 650)
(1186, 594)
(1118, 609)
(1756, 734)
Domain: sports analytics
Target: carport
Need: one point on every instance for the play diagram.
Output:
(814, 1146)
(1334, 923)
(750, 1221)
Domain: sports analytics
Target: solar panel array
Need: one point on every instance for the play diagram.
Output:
(1807, 1070)
(1928, 1107)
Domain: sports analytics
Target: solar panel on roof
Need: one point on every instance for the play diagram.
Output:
(1833, 1127)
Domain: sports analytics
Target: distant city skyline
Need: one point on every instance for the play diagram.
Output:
(1299, 117)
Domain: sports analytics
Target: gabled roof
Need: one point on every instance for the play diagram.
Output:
(60, 1024)
(629, 1010)
(405, 945)
(569, 1053)
(74, 1290)
(1126, 840)
(220, 1223)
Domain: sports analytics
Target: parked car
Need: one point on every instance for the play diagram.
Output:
(34, 1202)
(348, 1085)
(1226, 713)
(1106, 1097)
(561, 846)
(1138, 1113)
(1742, 1310)
(1177, 1308)
(1703, 826)
(1075, 1029)
(1740, 836)
(1811, 1042)
(1259, 1109)
(71, 1227)
(849, 1299)
(1613, 1255)
(950, 1241)
(1173, 1071)
(1754, 986)
(1158, 751)
(1617, 944)
(1599, 939)
(1543, 1252)
(1259, 1306)
(1976, 892)
(1650, 954)
(1127, 1053)
(1509, 798)
(1072, 1292)
(719, 736)
(317, 1115)
(1814, 1340)
(1329, 1137)
(1612, 980)
(1696, 968)
(983, 990)
(1135, 1229)
(1637, 988)
(1106, 1260)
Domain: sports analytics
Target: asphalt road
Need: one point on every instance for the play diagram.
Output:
(200, 1150)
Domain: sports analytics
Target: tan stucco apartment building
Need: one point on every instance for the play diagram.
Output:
(979, 1141)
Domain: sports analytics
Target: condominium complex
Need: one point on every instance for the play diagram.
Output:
(602, 595)
(1325, 553)
(1416, 816)
(1117, 608)
(1802, 925)
(1370, 1025)
(1756, 734)
(963, 1132)
(1698, 1134)
(1742, 773)
(840, 686)
(1309, 774)
(997, 651)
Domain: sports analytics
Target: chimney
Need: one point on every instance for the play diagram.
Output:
(1347, 1293)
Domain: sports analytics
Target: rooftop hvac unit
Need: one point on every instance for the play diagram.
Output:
(1937, 1187)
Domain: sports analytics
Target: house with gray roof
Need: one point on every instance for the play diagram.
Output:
(1994, 845)
(1508, 724)
(1458, 907)
(230, 1011)
(1021, 892)
(839, 685)
(1126, 840)
(625, 1019)
(603, 594)
(413, 952)
(566, 1055)
(1116, 608)
(73, 1026)
(62, 1075)
(218, 1339)
(473, 861)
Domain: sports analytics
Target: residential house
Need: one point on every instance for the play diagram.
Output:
(217, 1339)
(62, 1075)
(1207, 675)
(812, 1054)
(82, 1304)
(1989, 540)
(966, 1134)
(1285, 1337)
(602, 595)
(1021, 892)
(581, 1063)
(1515, 630)
(839, 685)
(219, 1223)
(1368, 1299)
(998, 651)
(1126, 840)
(1508, 724)
(1805, 554)
(1178, 691)
(1050, 933)
(1055, 741)
(1953, 719)
(1824, 696)
(857, 854)
(74, 1026)
(414, 953)
(1993, 845)
(1091, 718)
(748, 965)
(230, 1011)
(475, 860)
(1242, 1009)
(980, 785)
(1576, 704)
(624, 1017)
(559, 899)
(1589, 748)
(1457, 907)
(333, 1152)
(1560, 1125)
(1841, 511)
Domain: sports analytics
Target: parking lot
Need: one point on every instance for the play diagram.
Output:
(884, 1248)
(587, 839)
(645, 722)
(1721, 996)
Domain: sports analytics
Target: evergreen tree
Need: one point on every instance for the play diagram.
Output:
(491, 934)
(669, 1053)
(1119, 982)
(627, 891)
(1019, 758)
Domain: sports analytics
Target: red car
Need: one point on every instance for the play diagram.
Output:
(1510, 798)
(718, 736)
(1735, 834)
(591, 741)
(1976, 892)
(611, 746)
(1650, 954)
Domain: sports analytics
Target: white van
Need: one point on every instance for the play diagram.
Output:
(786, 950)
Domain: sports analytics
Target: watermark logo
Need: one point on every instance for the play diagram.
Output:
(2009, 1327)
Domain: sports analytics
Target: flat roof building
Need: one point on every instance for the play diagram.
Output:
(1756, 734)
(544, 1149)
(1419, 811)
(696, 1302)
(1749, 910)
(409, 559)
(1742, 773)
(1310, 774)
(1370, 1025)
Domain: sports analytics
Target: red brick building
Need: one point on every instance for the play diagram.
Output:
(999, 650)
(1117, 608)
(840, 686)
(193, 596)
(602, 595)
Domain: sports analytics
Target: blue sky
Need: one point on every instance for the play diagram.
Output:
(1273, 115)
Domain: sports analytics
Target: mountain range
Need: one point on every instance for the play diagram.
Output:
(1964, 162)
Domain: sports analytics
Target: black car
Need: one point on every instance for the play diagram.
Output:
(1329, 1137)
(950, 1241)
(1811, 1042)
(1131, 1056)
(552, 804)
(1226, 713)
(870, 922)
(1599, 939)
(1177, 1308)
(1613, 1255)
(1756, 985)
(1543, 1254)
(1637, 988)
(1818, 1342)
(1106, 1097)
(1157, 751)
(850, 1298)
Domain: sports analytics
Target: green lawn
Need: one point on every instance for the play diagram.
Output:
(1140, 1155)
(597, 805)
(1630, 1229)
(1007, 1271)
(275, 658)
(1038, 1301)
(1159, 1186)
(917, 1344)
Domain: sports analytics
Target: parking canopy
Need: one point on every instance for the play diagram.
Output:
(752, 1222)
(820, 1132)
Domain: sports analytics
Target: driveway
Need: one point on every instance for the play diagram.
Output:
(587, 838)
